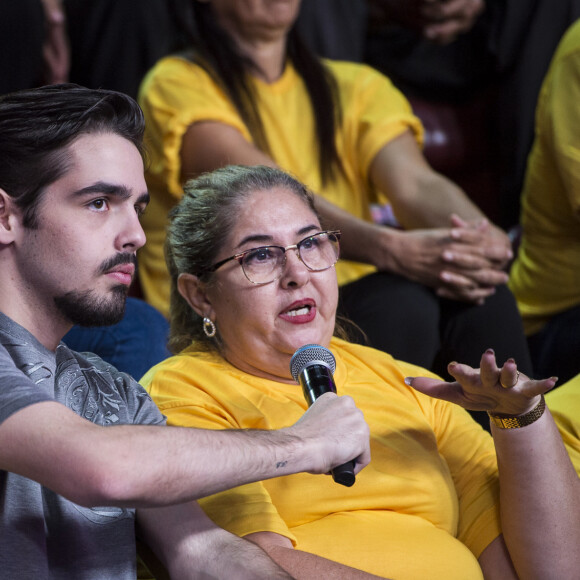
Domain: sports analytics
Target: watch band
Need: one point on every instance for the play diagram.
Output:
(511, 422)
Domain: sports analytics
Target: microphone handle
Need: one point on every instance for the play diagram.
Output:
(317, 380)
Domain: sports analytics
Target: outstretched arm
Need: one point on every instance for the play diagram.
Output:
(146, 466)
(539, 489)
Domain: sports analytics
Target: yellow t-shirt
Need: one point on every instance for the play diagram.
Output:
(545, 277)
(177, 93)
(564, 404)
(425, 507)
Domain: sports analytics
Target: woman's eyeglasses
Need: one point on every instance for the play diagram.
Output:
(266, 264)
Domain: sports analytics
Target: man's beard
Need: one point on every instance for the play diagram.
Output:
(87, 309)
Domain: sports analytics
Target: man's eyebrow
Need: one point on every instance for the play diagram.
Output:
(144, 198)
(111, 189)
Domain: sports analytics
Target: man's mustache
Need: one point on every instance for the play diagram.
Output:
(121, 258)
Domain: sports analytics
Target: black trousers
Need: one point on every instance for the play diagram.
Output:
(556, 348)
(409, 321)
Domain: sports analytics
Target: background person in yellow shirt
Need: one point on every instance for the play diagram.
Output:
(545, 277)
(250, 93)
(564, 404)
(253, 280)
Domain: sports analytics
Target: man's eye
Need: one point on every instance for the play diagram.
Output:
(99, 204)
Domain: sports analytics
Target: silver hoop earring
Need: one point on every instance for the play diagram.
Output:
(209, 327)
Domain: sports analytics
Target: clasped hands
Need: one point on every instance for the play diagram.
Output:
(440, 21)
(464, 262)
(498, 390)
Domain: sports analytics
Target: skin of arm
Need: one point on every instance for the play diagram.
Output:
(190, 545)
(303, 565)
(56, 51)
(539, 488)
(463, 261)
(154, 466)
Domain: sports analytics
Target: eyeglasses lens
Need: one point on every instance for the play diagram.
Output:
(318, 252)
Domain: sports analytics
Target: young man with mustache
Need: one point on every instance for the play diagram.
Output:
(74, 432)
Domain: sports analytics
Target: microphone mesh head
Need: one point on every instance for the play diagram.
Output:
(311, 354)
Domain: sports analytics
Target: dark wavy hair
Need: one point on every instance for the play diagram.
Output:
(212, 48)
(38, 125)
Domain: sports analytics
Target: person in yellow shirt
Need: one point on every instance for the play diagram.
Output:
(428, 291)
(545, 277)
(253, 280)
(564, 404)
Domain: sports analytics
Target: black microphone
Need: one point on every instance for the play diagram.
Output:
(312, 366)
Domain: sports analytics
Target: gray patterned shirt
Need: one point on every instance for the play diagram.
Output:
(43, 535)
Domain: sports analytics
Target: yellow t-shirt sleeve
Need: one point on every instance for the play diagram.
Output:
(470, 455)
(562, 100)
(564, 404)
(242, 510)
(175, 94)
(376, 113)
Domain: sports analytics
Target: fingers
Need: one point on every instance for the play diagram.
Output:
(459, 222)
(475, 296)
(509, 375)
(447, 20)
(480, 389)
(489, 245)
(467, 278)
(436, 388)
(452, 9)
(465, 258)
(343, 428)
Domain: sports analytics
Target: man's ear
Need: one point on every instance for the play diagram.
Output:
(194, 293)
(8, 218)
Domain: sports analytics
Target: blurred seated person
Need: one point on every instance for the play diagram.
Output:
(249, 92)
(545, 277)
(132, 34)
(253, 280)
(33, 42)
(564, 404)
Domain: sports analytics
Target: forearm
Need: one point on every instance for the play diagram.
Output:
(134, 465)
(305, 566)
(361, 241)
(189, 545)
(421, 197)
(148, 466)
(540, 500)
(181, 464)
(430, 200)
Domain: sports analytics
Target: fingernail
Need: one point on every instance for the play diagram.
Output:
(511, 360)
(448, 256)
(409, 381)
(490, 351)
(452, 363)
